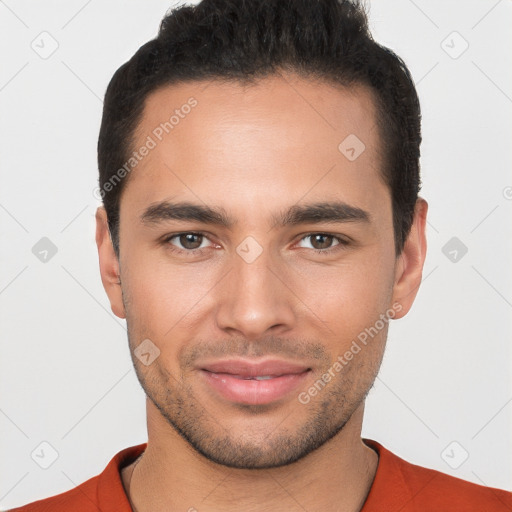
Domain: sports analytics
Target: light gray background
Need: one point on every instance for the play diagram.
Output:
(65, 372)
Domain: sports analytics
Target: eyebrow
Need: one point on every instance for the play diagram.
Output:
(315, 213)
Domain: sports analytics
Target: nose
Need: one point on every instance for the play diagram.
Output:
(256, 298)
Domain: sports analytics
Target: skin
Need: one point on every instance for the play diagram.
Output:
(255, 151)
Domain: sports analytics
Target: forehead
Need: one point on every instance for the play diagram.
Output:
(304, 108)
(216, 140)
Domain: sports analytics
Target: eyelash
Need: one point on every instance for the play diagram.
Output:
(342, 243)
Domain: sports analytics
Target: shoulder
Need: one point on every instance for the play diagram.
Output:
(411, 488)
(444, 490)
(103, 492)
(81, 498)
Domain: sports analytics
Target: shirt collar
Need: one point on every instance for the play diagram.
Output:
(388, 487)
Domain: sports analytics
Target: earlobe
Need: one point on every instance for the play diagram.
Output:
(109, 264)
(409, 265)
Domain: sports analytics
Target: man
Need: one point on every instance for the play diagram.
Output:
(259, 168)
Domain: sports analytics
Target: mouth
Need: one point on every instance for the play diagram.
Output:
(257, 377)
(252, 383)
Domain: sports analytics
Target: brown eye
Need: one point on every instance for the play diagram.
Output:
(321, 241)
(190, 240)
(187, 242)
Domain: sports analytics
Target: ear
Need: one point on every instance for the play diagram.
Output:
(409, 265)
(109, 264)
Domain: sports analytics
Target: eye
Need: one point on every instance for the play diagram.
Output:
(322, 242)
(187, 242)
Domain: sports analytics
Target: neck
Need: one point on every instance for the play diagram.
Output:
(171, 475)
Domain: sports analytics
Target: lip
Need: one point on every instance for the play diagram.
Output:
(232, 380)
(245, 368)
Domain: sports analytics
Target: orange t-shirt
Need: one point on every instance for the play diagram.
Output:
(398, 486)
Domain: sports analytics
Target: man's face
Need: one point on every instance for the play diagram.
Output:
(298, 288)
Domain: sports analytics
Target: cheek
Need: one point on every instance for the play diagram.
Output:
(352, 293)
(163, 296)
